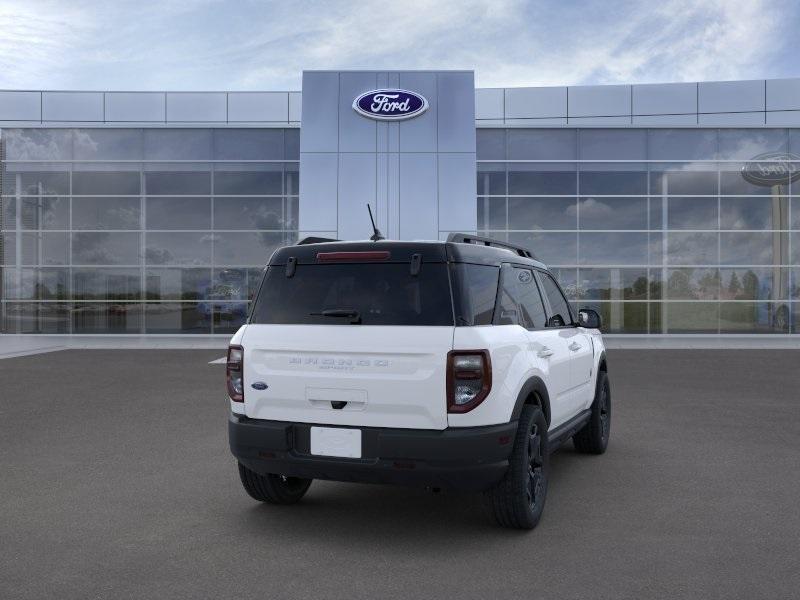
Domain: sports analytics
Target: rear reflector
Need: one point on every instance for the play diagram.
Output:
(368, 255)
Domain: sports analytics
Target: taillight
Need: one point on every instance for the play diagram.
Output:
(469, 379)
(235, 373)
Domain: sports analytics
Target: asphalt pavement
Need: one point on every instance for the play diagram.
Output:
(116, 482)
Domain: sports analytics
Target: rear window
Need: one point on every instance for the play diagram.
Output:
(355, 293)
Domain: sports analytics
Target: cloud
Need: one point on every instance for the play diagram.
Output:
(209, 44)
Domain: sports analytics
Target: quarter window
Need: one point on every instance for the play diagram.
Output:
(520, 302)
(559, 308)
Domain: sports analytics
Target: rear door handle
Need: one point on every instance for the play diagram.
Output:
(575, 346)
(544, 352)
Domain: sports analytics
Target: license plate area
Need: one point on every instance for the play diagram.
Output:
(336, 441)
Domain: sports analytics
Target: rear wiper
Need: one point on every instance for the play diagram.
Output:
(351, 313)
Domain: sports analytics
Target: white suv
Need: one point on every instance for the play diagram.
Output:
(453, 364)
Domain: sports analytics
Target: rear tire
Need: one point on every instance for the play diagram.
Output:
(518, 500)
(274, 489)
(593, 438)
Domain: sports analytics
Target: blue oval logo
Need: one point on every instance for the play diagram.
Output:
(772, 168)
(259, 385)
(390, 105)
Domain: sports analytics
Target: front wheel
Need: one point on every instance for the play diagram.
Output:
(593, 438)
(274, 489)
(518, 500)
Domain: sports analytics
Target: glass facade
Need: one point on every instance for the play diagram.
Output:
(166, 230)
(141, 230)
(659, 230)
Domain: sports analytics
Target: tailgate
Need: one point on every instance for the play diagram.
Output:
(370, 376)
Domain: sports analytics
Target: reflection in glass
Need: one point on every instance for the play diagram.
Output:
(754, 213)
(682, 144)
(683, 182)
(492, 213)
(35, 284)
(107, 144)
(491, 180)
(541, 213)
(104, 248)
(106, 213)
(612, 213)
(690, 317)
(745, 144)
(43, 212)
(178, 144)
(613, 249)
(228, 317)
(693, 284)
(248, 144)
(620, 317)
(748, 248)
(541, 144)
(186, 183)
(612, 183)
(250, 213)
(612, 144)
(755, 283)
(178, 213)
(524, 180)
(177, 318)
(692, 213)
(694, 248)
(550, 248)
(119, 183)
(491, 144)
(102, 317)
(245, 248)
(754, 317)
(177, 284)
(35, 317)
(106, 284)
(178, 248)
(613, 284)
(267, 182)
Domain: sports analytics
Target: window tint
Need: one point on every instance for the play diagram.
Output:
(477, 292)
(520, 302)
(378, 294)
(559, 308)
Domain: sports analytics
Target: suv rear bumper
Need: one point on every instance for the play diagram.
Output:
(468, 459)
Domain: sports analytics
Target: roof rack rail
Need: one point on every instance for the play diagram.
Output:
(314, 240)
(465, 238)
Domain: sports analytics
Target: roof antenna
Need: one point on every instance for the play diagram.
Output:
(377, 235)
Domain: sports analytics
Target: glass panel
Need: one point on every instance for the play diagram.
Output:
(542, 144)
(796, 212)
(690, 317)
(177, 284)
(795, 245)
(101, 317)
(492, 214)
(519, 301)
(746, 144)
(682, 144)
(613, 249)
(612, 213)
(568, 280)
(732, 182)
(248, 144)
(754, 317)
(613, 284)
(235, 284)
(701, 181)
(754, 213)
(620, 317)
(491, 179)
(229, 317)
(612, 183)
(490, 144)
(8, 213)
(613, 144)
(117, 183)
(476, 287)
(795, 310)
(752, 248)
(250, 213)
(103, 248)
(251, 183)
(693, 284)
(692, 213)
(177, 318)
(794, 288)
(106, 284)
(291, 177)
(559, 313)
(542, 213)
(245, 248)
(38, 144)
(43, 249)
(43, 183)
(291, 143)
(46, 212)
(755, 284)
(178, 144)
(8, 248)
(106, 213)
(34, 317)
(692, 248)
(35, 284)
(178, 248)
(108, 144)
(178, 213)
(550, 248)
(527, 179)
(656, 283)
(187, 183)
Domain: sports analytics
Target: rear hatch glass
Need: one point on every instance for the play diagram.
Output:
(355, 294)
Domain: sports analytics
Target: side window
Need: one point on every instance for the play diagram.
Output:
(476, 287)
(519, 301)
(559, 307)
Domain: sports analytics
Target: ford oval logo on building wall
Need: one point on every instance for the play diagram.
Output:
(390, 105)
(772, 168)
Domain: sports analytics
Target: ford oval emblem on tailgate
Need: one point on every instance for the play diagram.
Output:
(259, 385)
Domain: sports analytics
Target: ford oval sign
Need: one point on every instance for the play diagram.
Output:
(390, 105)
(772, 168)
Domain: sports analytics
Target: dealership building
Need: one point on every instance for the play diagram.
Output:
(671, 209)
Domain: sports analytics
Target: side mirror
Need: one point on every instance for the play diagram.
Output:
(589, 319)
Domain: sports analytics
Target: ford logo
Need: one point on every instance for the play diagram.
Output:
(772, 168)
(390, 105)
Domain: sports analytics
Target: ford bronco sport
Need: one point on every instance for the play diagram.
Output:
(456, 365)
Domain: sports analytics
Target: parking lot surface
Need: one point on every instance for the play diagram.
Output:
(116, 482)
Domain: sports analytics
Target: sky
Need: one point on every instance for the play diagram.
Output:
(265, 45)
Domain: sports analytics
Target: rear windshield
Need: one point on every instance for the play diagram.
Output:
(351, 294)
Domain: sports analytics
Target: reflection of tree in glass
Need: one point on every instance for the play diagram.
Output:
(734, 287)
(749, 286)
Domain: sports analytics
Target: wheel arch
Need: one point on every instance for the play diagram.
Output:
(534, 391)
